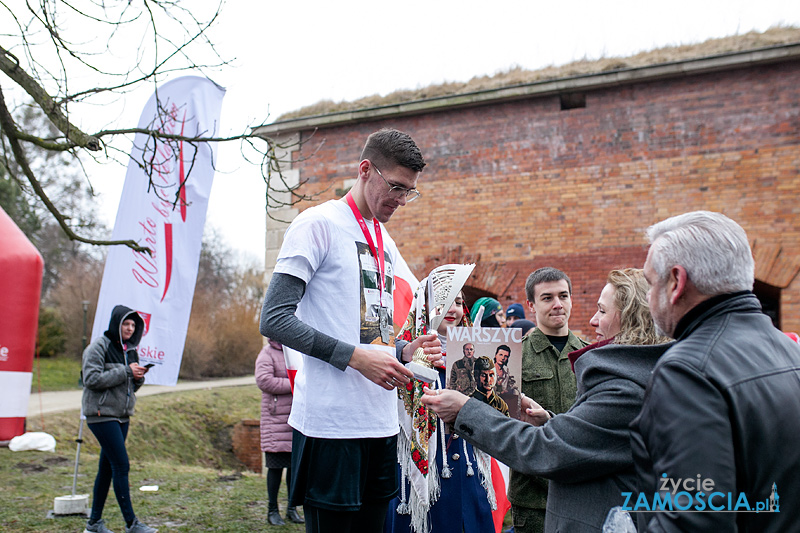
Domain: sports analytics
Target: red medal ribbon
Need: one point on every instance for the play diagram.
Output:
(378, 254)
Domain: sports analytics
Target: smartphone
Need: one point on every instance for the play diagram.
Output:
(149, 365)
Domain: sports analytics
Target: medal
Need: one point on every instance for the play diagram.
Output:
(386, 329)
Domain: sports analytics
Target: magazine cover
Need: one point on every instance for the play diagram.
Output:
(486, 363)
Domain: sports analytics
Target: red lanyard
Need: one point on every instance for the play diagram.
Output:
(379, 260)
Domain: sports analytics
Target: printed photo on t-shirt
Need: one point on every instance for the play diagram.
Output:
(372, 298)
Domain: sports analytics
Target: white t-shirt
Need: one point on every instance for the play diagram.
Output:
(325, 247)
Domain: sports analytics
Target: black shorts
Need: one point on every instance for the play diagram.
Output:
(341, 474)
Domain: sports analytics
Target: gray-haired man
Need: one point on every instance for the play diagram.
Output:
(719, 423)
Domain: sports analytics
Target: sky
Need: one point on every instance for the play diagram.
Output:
(292, 54)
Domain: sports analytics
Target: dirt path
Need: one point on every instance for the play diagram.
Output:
(53, 402)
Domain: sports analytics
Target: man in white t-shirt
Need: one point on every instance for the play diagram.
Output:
(331, 298)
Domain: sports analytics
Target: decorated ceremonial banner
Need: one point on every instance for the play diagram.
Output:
(167, 216)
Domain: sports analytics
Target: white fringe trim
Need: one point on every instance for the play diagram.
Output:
(423, 490)
(447, 471)
(485, 468)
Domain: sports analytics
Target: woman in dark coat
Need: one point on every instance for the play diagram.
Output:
(276, 434)
(585, 452)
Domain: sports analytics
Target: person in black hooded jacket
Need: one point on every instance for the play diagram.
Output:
(111, 376)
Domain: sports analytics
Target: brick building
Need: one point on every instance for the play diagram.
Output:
(569, 172)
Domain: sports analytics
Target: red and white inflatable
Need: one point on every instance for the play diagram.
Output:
(21, 287)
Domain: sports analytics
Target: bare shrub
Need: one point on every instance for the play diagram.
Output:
(78, 281)
(223, 338)
(225, 346)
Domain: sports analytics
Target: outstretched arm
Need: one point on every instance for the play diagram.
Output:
(431, 346)
(279, 323)
(588, 441)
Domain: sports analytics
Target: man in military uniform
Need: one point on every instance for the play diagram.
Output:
(461, 375)
(485, 379)
(547, 377)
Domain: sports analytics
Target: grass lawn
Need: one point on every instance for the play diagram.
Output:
(178, 441)
(55, 373)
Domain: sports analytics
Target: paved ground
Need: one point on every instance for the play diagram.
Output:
(52, 402)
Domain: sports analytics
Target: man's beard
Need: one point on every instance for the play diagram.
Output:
(660, 332)
(661, 326)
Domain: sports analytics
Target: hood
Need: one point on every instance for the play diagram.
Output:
(118, 316)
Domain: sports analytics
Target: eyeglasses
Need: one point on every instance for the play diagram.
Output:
(398, 191)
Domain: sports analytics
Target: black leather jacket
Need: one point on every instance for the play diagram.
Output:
(723, 404)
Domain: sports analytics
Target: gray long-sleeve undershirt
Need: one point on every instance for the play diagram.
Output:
(279, 323)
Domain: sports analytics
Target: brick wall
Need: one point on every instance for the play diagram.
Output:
(247, 444)
(522, 184)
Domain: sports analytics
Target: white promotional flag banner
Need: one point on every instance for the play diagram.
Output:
(161, 287)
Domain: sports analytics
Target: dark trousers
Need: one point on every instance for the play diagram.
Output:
(369, 519)
(114, 466)
(344, 485)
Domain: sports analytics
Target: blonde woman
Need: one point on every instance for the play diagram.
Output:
(585, 452)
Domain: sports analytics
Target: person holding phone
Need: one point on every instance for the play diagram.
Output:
(111, 376)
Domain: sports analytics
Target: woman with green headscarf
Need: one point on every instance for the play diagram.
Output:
(493, 314)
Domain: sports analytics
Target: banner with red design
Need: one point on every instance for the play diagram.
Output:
(163, 206)
(404, 284)
(500, 477)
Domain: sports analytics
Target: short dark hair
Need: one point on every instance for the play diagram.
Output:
(482, 363)
(502, 347)
(544, 275)
(390, 148)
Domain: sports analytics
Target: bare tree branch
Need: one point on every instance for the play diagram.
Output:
(9, 128)
(10, 66)
(47, 58)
